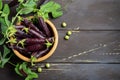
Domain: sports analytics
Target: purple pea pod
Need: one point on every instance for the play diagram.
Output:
(33, 48)
(31, 41)
(41, 53)
(20, 34)
(35, 34)
(19, 27)
(44, 27)
(29, 24)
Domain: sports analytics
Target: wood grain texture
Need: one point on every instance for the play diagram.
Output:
(84, 46)
(93, 50)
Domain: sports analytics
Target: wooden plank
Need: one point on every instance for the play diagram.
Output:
(90, 14)
(88, 46)
(71, 72)
(91, 54)
(82, 72)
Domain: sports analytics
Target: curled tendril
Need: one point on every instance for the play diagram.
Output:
(25, 29)
(21, 42)
(11, 32)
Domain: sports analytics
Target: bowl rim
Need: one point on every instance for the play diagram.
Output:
(55, 33)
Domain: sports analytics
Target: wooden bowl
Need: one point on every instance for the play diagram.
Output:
(55, 33)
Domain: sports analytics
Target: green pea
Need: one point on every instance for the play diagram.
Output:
(39, 69)
(69, 33)
(64, 24)
(66, 37)
(47, 65)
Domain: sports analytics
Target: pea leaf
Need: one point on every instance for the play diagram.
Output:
(4, 58)
(2, 21)
(31, 3)
(47, 5)
(3, 29)
(26, 10)
(21, 1)
(50, 7)
(1, 4)
(17, 69)
(56, 14)
(7, 21)
(30, 74)
(26, 7)
(5, 13)
(6, 9)
(2, 40)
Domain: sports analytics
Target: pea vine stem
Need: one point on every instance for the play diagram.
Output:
(11, 63)
(13, 20)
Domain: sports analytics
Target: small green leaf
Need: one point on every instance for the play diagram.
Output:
(17, 69)
(26, 10)
(3, 29)
(30, 74)
(2, 40)
(1, 4)
(27, 6)
(4, 57)
(7, 21)
(50, 7)
(56, 14)
(3, 26)
(6, 9)
(2, 21)
(3, 62)
(3, 14)
(47, 5)
(21, 1)
(31, 3)
(6, 51)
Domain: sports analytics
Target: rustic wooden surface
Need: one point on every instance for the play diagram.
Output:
(93, 50)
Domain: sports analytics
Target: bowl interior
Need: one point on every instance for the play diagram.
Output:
(47, 55)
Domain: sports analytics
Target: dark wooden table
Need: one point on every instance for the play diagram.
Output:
(93, 50)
